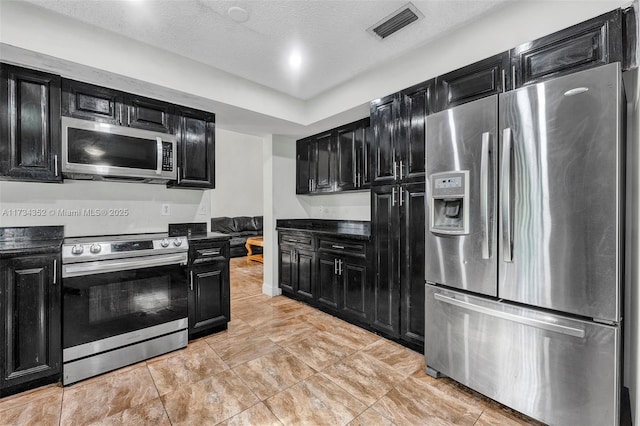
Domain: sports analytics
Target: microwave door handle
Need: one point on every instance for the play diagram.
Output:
(159, 168)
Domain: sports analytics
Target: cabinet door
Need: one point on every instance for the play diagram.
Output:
(149, 114)
(29, 125)
(304, 273)
(30, 322)
(353, 274)
(304, 161)
(89, 102)
(385, 309)
(383, 123)
(286, 263)
(412, 237)
(345, 159)
(209, 296)
(588, 44)
(328, 292)
(414, 110)
(196, 149)
(323, 176)
(484, 78)
(363, 138)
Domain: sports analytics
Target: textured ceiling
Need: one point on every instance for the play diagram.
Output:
(330, 35)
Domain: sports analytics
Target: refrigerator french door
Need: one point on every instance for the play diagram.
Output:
(523, 248)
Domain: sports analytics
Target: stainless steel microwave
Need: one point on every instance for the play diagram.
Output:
(92, 150)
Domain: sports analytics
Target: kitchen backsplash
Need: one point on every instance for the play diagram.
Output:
(100, 208)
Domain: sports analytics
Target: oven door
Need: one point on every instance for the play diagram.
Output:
(98, 307)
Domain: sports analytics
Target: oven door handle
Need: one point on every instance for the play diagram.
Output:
(102, 266)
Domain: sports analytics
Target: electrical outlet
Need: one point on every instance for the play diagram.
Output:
(166, 210)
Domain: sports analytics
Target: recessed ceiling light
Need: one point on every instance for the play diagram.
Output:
(295, 60)
(238, 14)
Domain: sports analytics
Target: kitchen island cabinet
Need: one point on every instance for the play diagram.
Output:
(30, 294)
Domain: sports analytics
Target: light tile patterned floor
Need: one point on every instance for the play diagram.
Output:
(280, 362)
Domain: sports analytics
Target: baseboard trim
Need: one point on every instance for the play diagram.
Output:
(269, 290)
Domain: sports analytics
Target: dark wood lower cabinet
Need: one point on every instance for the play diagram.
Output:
(355, 291)
(297, 265)
(412, 255)
(209, 307)
(30, 341)
(328, 281)
(385, 309)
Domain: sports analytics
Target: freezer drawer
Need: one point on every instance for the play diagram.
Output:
(558, 370)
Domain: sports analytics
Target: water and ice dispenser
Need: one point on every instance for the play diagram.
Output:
(450, 203)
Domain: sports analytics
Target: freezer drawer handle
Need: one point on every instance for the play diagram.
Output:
(505, 181)
(569, 331)
(484, 195)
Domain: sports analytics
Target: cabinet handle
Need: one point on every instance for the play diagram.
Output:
(55, 164)
(120, 115)
(504, 80)
(178, 172)
(401, 167)
(55, 271)
(393, 196)
(309, 184)
(394, 170)
(513, 76)
(340, 267)
(128, 116)
(335, 266)
(312, 185)
(191, 273)
(337, 247)
(359, 179)
(401, 191)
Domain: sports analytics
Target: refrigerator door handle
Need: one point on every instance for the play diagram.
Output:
(484, 195)
(557, 328)
(505, 199)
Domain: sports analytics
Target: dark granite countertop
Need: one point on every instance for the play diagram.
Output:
(357, 229)
(196, 232)
(30, 240)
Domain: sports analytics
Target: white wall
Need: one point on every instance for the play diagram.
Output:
(33, 204)
(239, 175)
(346, 206)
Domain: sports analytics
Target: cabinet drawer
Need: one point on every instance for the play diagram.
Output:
(207, 252)
(351, 247)
(298, 239)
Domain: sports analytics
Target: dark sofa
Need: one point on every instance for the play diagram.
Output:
(239, 228)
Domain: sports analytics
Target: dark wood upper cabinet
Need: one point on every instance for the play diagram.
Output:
(323, 179)
(89, 102)
(30, 143)
(196, 149)
(334, 161)
(30, 321)
(304, 164)
(398, 125)
(591, 43)
(149, 114)
(484, 78)
(384, 124)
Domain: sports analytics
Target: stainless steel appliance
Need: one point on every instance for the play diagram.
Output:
(124, 300)
(92, 150)
(524, 305)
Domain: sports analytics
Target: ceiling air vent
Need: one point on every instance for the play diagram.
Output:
(396, 21)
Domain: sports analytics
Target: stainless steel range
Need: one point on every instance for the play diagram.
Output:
(124, 300)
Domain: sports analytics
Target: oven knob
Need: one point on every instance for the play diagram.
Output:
(177, 243)
(77, 249)
(164, 243)
(95, 248)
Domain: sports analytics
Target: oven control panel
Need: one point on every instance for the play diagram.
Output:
(82, 249)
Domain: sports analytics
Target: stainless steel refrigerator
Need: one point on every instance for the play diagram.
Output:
(523, 255)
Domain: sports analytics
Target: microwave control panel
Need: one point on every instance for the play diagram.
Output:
(167, 156)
